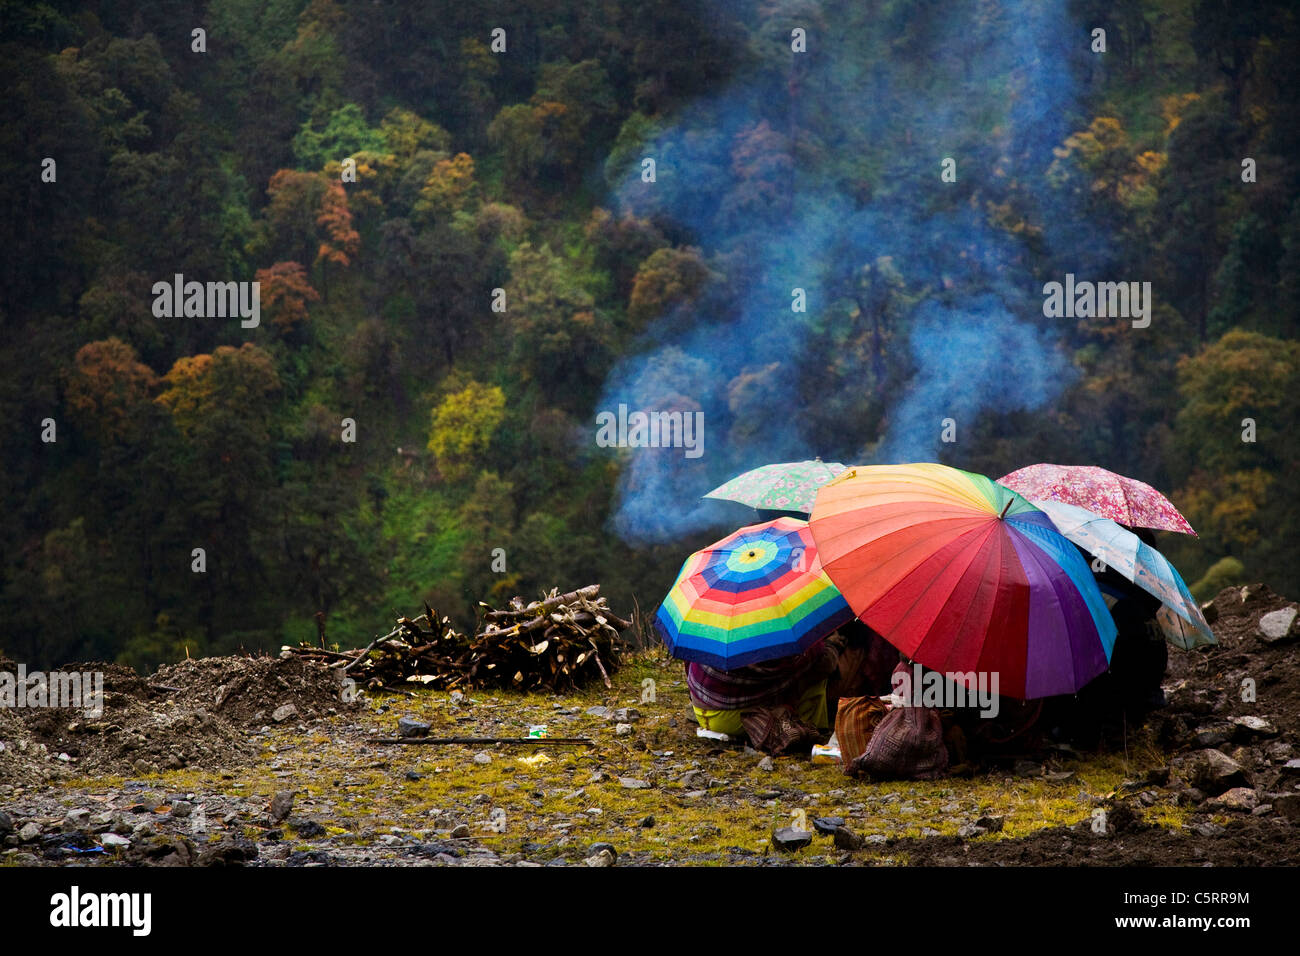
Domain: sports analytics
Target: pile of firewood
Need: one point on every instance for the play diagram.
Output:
(557, 643)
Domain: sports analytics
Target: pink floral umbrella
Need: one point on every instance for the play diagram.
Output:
(1125, 500)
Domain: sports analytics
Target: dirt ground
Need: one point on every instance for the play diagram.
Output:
(269, 762)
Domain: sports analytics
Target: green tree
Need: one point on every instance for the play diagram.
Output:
(463, 425)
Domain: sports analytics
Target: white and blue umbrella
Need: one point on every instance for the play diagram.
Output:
(1180, 618)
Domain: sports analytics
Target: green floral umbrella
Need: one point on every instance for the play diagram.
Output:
(787, 486)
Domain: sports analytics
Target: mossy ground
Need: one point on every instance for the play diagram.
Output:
(560, 799)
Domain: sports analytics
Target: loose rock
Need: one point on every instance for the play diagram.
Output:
(790, 840)
(1278, 626)
(409, 727)
(281, 806)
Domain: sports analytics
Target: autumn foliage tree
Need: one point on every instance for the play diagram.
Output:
(340, 240)
(286, 294)
(107, 386)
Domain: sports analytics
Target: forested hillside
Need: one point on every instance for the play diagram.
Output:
(464, 257)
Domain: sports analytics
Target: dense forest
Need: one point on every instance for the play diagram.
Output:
(841, 240)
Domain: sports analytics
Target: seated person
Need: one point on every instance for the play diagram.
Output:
(1130, 688)
(778, 705)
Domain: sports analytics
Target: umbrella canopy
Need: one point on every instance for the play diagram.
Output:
(1140, 563)
(756, 595)
(964, 576)
(786, 486)
(1126, 500)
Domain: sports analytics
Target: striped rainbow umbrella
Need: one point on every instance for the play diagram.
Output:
(756, 595)
(964, 576)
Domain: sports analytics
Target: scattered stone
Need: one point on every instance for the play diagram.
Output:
(29, 832)
(968, 831)
(231, 851)
(827, 825)
(307, 829)
(1255, 726)
(603, 858)
(1061, 776)
(875, 838)
(1279, 750)
(790, 840)
(6, 824)
(1291, 766)
(622, 730)
(991, 824)
(281, 806)
(598, 712)
(646, 822)
(1213, 735)
(846, 839)
(76, 819)
(627, 715)
(1278, 626)
(767, 763)
(695, 780)
(1214, 772)
(1238, 798)
(182, 809)
(483, 757)
(1210, 611)
(413, 776)
(598, 848)
(1288, 805)
(410, 727)
(284, 712)
(632, 783)
(1027, 768)
(1207, 829)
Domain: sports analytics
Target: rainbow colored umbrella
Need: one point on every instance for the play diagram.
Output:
(964, 576)
(1125, 500)
(785, 486)
(1140, 563)
(756, 595)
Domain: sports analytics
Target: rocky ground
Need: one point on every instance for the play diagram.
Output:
(264, 762)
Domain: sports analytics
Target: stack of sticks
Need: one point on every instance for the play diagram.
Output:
(557, 643)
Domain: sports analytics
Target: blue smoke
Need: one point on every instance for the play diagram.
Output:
(923, 297)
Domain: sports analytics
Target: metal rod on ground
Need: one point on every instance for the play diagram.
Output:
(536, 741)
